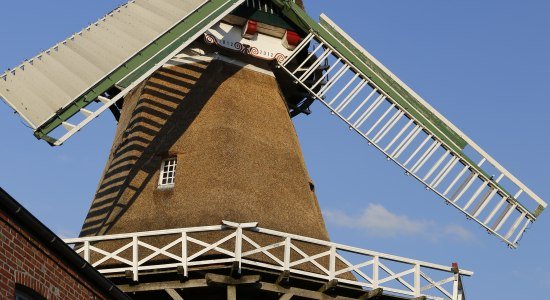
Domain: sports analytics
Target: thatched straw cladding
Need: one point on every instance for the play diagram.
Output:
(239, 158)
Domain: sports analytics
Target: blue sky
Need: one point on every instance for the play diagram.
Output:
(484, 64)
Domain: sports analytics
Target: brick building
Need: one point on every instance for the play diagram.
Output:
(37, 264)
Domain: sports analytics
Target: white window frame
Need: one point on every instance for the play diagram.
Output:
(167, 174)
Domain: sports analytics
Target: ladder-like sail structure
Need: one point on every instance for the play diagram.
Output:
(56, 88)
(372, 101)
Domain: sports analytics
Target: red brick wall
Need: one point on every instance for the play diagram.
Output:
(23, 260)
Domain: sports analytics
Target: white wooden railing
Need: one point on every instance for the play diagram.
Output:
(241, 244)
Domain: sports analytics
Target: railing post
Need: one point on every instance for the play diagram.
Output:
(456, 295)
(239, 248)
(332, 263)
(87, 251)
(287, 255)
(457, 292)
(184, 253)
(375, 270)
(135, 257)
(417, 280)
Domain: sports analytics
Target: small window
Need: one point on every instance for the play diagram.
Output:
(168, 173)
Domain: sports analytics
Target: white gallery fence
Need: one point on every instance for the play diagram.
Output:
(249, 245)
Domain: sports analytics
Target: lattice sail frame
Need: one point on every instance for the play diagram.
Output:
(376, 104)
(244, 244)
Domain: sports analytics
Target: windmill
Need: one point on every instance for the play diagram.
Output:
(202, 91)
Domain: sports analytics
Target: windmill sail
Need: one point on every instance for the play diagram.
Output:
(126, 46)
(373, 102)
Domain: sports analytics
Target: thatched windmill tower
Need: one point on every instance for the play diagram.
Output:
(204, 92)
(223, 129)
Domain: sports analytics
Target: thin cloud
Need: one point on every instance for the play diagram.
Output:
(378, 221)
(458, 232)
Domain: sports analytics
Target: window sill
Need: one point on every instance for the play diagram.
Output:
(165, 187)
